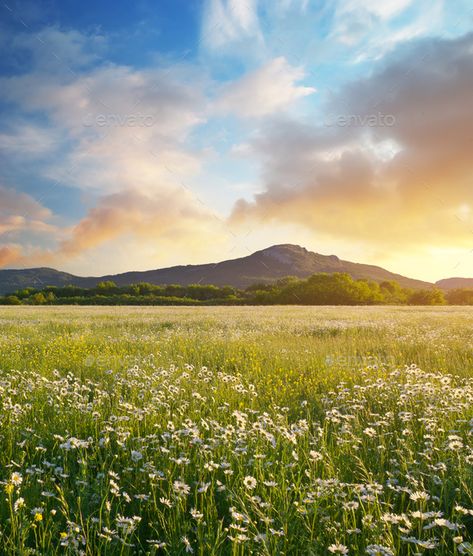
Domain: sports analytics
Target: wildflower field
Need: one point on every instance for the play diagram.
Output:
(236, 430)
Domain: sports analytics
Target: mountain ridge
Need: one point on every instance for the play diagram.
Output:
(454, 283)
(265, 265)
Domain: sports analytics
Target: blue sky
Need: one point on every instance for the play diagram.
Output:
(135, 135)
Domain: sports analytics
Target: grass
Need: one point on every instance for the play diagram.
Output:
(236, 430)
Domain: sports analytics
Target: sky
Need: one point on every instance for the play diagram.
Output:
(138, 135)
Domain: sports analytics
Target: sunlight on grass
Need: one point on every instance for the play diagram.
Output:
(236, 430)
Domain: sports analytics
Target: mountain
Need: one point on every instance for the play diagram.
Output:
(12, 280)
(266, 266)
(454, 283)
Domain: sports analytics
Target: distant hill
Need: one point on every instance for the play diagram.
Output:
(267, 265)
(454, 283)
(12, 280)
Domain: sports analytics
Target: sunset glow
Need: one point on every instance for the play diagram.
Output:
(139, 136)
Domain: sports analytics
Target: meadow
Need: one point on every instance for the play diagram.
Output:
(236, 430)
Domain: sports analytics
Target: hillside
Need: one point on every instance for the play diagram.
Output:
(267, 265)
(454, 283)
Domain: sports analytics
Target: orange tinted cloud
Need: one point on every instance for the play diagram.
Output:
(9, 255)
(167, 215)
(20, 214)
(405, 182)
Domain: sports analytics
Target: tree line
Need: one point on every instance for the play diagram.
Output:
(318, 289)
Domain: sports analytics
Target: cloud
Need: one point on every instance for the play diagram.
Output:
(238, 35)
(383, 10)
(121, 128)
(29, 140)
(130, 138)
(124, 139)
(20, 216)
(338, 182)
(264, 91)
(125, 222)
(55, 49)
(112, 155)
(169, 215)
(354, 19)
(228, 23)
(9, 255)
(372, 29)
(14, 204)
(164, 98)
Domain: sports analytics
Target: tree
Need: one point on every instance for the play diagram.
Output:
(433, 296)
(286, 281)
(38, 299)
(106, 287)
(175, 290)
(393, 293)
(11, 300)
(197, 291)
(460, 297)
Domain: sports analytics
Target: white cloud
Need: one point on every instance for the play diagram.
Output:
(29, 140)
(264, 91)
(126, 128)
(226, 22)
(124, 137)
(356, 19)
(385, 9)
(384, 39)
(55, 49)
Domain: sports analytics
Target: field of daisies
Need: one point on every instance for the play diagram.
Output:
(236, 430)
